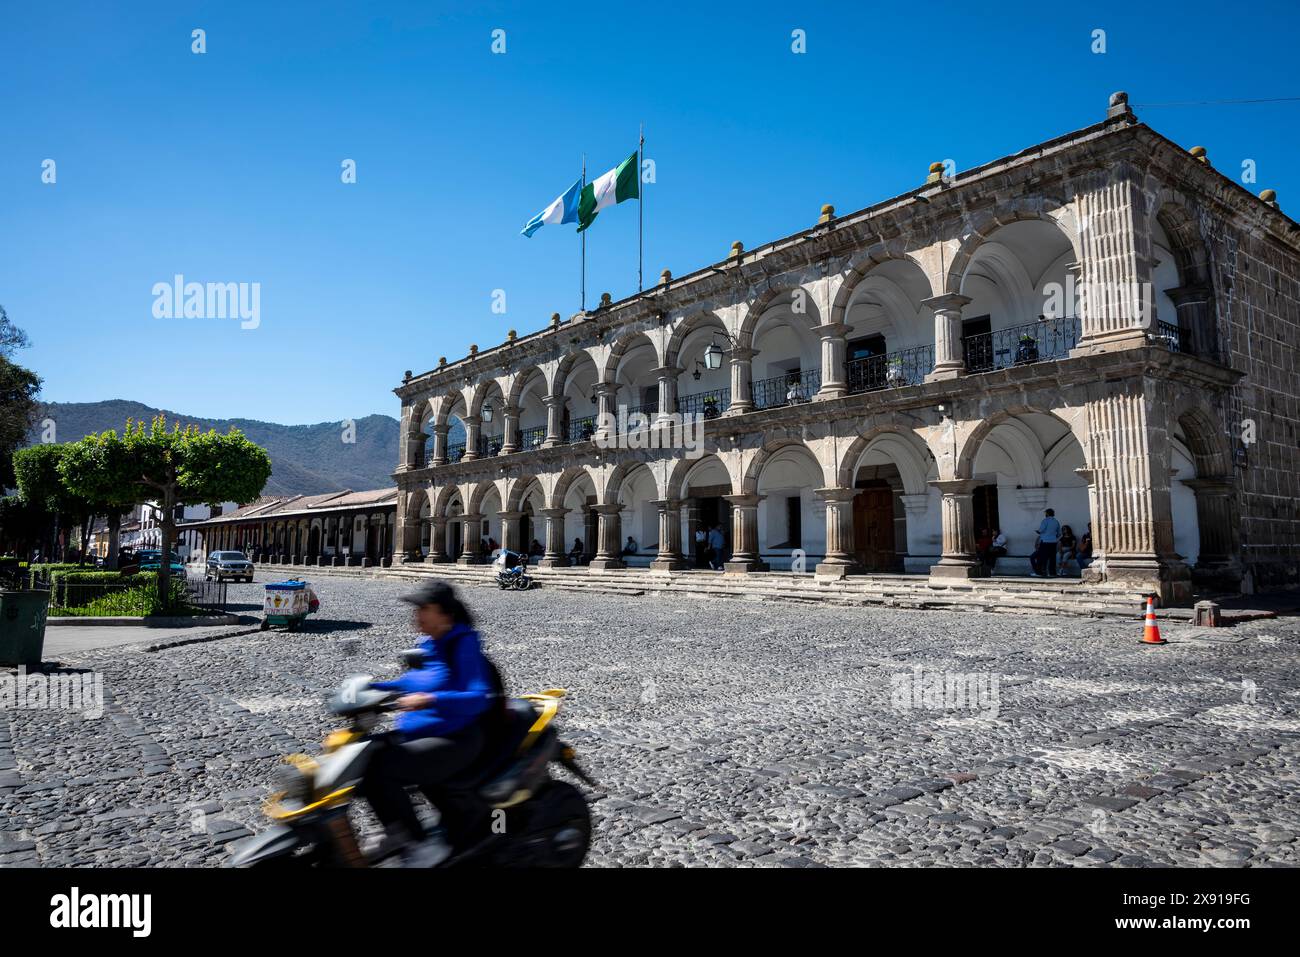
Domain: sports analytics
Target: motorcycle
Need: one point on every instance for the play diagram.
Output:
(512, 576)
(522, 817)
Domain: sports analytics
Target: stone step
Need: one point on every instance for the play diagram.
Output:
(897, 591)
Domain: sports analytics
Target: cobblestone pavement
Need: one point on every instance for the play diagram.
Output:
(724, 733)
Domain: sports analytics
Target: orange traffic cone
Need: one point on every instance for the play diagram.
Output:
(1151, 633)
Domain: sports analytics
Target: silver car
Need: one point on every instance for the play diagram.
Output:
(232, 565)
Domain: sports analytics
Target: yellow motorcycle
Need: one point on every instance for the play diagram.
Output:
(524, 817)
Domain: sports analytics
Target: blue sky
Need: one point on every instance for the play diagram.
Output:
(225, 167)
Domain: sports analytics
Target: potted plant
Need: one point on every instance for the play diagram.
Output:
(894, 372)
(710, 407)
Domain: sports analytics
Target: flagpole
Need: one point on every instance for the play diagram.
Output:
(582, 307)
(640, 209)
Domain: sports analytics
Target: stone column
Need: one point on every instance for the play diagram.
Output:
(606, 409)
(670, 536)
(556, 556)
(1195, 319)
(959, 559)
(471, 532)
(590, 531)
(742, 380)
(1128, 446)
(440, 444)
(473, 429)
(554, 421)
(839, 561)
(1217, 564)
(744, 534)
(610, 537)
(437, 541)
(834, 350)
(510, 529)
(509, 429)
(405, 500)
(667, 376)
(949, 363)
(1116, 263)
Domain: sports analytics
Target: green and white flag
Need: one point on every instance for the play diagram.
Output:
(622, 182)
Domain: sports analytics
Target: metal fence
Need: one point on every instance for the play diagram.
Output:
(708, 404)
(532, 438)
(1021, 345)
(788, 389)
(1171, 337)
(581, 430)
(134, 598)
(890, 370)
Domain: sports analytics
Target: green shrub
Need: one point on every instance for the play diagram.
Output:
(123, 595)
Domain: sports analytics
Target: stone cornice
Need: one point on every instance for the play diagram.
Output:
(1119, 365)
(816, 246)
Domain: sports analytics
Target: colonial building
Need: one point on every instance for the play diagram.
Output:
(335, 528)
(1102, 324)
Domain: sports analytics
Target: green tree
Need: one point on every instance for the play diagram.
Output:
(180, 466)
(41, 486)
(18, 390)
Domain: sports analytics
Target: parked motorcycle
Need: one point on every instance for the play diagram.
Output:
(515, 578)
(512, 571)
(525, 818)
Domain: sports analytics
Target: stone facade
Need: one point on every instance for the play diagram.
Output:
(1100, 325)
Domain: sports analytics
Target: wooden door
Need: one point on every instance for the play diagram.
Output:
(873, 529)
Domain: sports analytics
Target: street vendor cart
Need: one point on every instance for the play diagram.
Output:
(288, 603)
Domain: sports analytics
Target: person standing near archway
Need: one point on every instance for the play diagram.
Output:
(1049, 533)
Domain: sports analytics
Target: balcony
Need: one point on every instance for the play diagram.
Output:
(890, 370)
(456, 452)
(1172, 337)
(530, 439)
(581, 430)
(1021, 345)
(789, 389)
(708, 404)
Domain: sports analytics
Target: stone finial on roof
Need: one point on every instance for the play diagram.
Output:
(473, 349)
(1199, 154)
(606, 300)
(936, 174)
(828, 213)
(1118, 107)
(1270, 196)
(736, 249)
(511, 335)
(555, 320)
(665, 276)
(442, 361)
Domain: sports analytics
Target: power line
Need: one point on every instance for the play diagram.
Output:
(1277, 99)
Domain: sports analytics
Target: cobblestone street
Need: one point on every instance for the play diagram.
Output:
(723, 733)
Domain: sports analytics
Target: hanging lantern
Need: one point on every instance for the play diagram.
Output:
(713, 356)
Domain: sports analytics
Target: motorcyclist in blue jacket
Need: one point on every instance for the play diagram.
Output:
(437, 734)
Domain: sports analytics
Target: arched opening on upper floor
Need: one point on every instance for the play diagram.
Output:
(890, 337)
(1024, 298)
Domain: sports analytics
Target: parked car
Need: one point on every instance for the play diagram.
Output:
(151, 561)
(232, 565)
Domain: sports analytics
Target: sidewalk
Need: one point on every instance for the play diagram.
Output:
(61, 643)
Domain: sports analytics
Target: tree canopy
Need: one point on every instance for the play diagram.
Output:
(18, 390)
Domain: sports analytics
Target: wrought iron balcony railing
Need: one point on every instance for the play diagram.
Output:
(708, 404)
(890, 370)
(531, 438)
(1021, 345)
(456, 452)
(647, 409)
(1172, 337)
(581, 430)
(788, 389)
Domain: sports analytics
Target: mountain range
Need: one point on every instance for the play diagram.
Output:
(305, 459)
